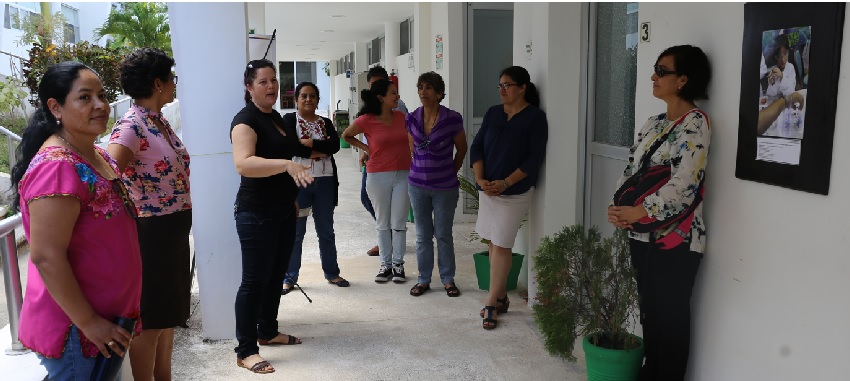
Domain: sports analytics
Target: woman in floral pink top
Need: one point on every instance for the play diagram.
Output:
(84, 269)
(155, 167)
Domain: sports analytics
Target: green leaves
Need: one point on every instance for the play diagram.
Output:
(11, 95)
(138, 25)
(585, 285)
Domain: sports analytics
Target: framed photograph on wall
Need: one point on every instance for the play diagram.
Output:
(789, 87)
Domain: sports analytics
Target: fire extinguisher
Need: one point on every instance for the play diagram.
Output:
(394, 78)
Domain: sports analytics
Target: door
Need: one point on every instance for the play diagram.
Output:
(612, 75)
(489, 50)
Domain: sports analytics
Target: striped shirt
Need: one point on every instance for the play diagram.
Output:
(433, 161)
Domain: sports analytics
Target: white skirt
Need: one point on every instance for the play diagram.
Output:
(499, 217)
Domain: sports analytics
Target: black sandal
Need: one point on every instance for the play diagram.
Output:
(419, 289)
(489, 322)
(451, 290)
(504, 303)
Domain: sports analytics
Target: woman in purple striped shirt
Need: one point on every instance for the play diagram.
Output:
(434, 132)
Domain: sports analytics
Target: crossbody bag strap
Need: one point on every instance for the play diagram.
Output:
(647, 156)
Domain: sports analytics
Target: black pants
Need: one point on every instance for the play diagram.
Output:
(665, 280)
(266, 237)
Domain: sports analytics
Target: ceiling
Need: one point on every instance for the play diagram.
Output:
(318, 31)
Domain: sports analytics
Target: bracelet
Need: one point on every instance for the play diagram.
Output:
(506, 183)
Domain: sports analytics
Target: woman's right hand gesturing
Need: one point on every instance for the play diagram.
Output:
(299, 173)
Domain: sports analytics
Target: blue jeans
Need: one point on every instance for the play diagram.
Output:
(320, 196)
(364, 196)
(388, 191)
(266, 238)
(442, 204)
(72, 366)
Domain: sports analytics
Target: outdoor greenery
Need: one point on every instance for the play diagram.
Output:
(585, 286)
(104, 61)
(135, 25)
(11, 95)
(43, 29)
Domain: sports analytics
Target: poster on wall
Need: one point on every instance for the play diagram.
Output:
(438, 48)
(789, 87)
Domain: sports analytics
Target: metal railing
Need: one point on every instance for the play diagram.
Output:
(12, 279)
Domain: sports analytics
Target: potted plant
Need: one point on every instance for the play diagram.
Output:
(586, 289)
(482, 258)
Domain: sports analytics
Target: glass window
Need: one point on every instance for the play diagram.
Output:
(72, 24)
(616, 73)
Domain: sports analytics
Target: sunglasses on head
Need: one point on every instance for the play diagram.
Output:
(660, 71)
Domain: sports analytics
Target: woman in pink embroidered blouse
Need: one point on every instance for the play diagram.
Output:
(84, 268)
(155, 167)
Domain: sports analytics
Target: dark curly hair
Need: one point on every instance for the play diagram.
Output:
(690, 61)
(141, 67)
(56, 83)
(371, 103)
(377, 71)
(251, 74)
(435, 80)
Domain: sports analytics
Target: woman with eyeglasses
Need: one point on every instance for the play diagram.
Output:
(666, 260)
(506, 155)
(388, 168)
(434, 132)
(154, 165)
(85, 269)
(265, 211)
(320, 197)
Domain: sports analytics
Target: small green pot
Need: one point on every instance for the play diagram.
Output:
(612, 364)
(343, 143)
(482, 270)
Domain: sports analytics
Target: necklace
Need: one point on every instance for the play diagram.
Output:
(84, 157)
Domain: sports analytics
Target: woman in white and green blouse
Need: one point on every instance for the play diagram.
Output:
(665, 273)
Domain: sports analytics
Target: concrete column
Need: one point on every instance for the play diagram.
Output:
(206, 109)
(422, 39)
(361, 57)
(257, 17)
(391, 45)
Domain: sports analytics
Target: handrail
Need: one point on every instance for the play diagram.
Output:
(12, 279)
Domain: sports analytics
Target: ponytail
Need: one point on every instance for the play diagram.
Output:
(371, 103)
(532, 96)
(56, 83)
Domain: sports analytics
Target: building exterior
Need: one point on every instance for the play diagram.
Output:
(763, 306)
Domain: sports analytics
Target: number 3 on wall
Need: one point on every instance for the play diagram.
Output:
(644, 32)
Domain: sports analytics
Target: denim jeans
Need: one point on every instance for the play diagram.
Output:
(72, 366)
(320, 196)
(266, 237)
(364, 196)
(442, 204)
(388, 191)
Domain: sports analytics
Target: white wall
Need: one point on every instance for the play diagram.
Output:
(323, 81)
(407, 77)
(768, 303)
(341, 91)
(91, 15)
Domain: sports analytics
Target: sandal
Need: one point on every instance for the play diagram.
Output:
(340, 282)
(451, 290)
(419, 289)
(489, 322)
(260, 367)
(290, 340)
(286, 289)
(504, 303)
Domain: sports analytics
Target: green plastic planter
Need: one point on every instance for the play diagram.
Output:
(482, 270)
(343, 143)
(612, 364)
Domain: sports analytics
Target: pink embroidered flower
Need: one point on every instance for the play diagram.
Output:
(160, 166)
(143, 144)
(102, 202)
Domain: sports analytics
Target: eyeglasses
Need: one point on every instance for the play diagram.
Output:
(505, 86)
(660, 71)
(174, 78)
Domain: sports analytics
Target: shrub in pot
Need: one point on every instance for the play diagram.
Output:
(586, 289)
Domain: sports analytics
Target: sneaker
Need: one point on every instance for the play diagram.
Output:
(384, 274)
(398, 274)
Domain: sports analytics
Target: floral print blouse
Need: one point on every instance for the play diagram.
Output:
(158, 174)
(103, 250)
(686, 152)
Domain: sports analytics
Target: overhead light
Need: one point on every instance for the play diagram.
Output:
(327, 31)
(314, 48)
(337, 16)
(322, 41)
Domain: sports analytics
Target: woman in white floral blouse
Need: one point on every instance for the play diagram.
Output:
(665, 273)
(155, 167)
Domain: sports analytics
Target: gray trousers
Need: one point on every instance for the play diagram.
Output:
(388, 192)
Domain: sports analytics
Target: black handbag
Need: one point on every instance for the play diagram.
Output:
(108, 369)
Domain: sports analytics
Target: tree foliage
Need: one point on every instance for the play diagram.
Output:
(137, 25)
(104, 61)
(43, 29)
(586, 286)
